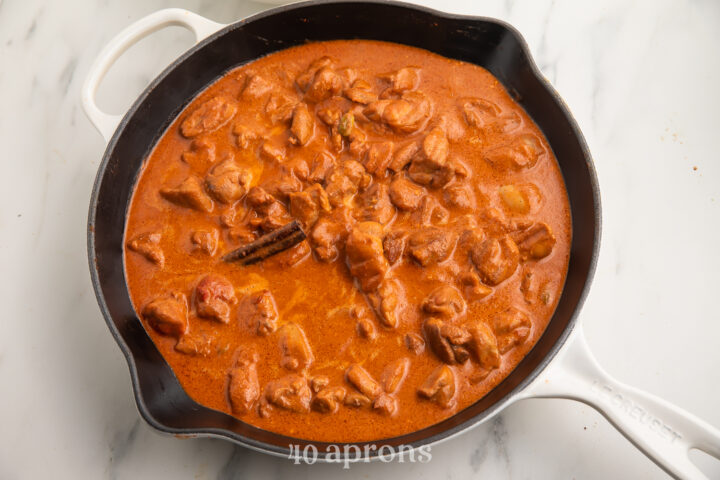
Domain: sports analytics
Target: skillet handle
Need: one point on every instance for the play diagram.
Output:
(664, 432)
(107, 123)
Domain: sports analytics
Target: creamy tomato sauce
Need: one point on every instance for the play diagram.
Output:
(438, 236)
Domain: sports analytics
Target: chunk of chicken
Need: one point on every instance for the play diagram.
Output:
(227, 182)
(495, 259)
(214, 295)
(189, 194)
(258, 312)
(344, 180)
(296, 351)
(363, 381)
(406, 194)
(406, 78)
(306, 206)
(483, 344)
(196, 344)
(511, 327)
(444, 302)
(415, 343)
(522, 153)
(375, 205)
(408, 114)
(244, 388)
(365, 256)
(480, 113)
(167, 314)
(535, 242)
(209, 116)
(271, 214)
(279, 108)
(378, 157)
(430, 246)
(303, 125)
(439, 386)
(387, 301)
(148, 245)
(394, 374)
(403, 155)
(290, 393)
(446, 340)
(394, 245)
(385, 405)
(205, 240)
(256, 86)
(361, 92)
(328, 399)
(431, 166)
(460, 195)
(328, 236)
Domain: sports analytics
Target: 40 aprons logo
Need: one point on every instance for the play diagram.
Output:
(349, 454)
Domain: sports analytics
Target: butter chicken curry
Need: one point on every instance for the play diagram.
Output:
(438, 235)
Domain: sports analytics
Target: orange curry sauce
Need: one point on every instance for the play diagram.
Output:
(438, 240)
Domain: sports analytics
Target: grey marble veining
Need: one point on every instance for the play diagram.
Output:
(642, 79)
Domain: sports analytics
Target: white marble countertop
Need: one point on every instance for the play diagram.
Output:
(642, 79)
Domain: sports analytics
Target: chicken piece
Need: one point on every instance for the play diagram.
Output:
(227, 182)
(319, 382)
(320, 167)
(244, 136)
(205, 240)
(167, 314)
(356, 400)
(328, 236)
(483, 344)
(258, 313)
(148, 245)
(328, 399)
(290, 393)
(522, 153)
(460, 195)
(415, 343)
(256, 87)
(378, 157)
(361, 92)
(296, 352)
(431, 166)
(439, 387)
(480, 113)
(375, 204)
(325, 84)
(279, 108)
(344, 180)
(511, 327)
(209, 116)
(394, 245)
(385, 405)
(403, 156)
(408, 114)
(201, 154)
(406, 78)
(387, 301)
(303, 125)
(394, 374)
(306, 206)
(214, 295)
(472, 287)
(430, 246)
(495, 259)
(363, 381)
(446, 340)
(272, 152)
(365, 256)
(405, 194)
(189, 194)
(244, 388)
(271, 214)
(535, 242)
(200, 345)
(430, 212)
(444, 302)
(283, 185)
(365, 324)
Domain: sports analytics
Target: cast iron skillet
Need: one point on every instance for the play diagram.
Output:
(490, 43)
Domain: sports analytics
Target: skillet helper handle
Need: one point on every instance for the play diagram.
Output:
(200, 26)
(664, 432)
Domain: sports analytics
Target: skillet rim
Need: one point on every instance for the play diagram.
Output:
(429, 440)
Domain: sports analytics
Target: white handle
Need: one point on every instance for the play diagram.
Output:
(662, 431)
(200, 26)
